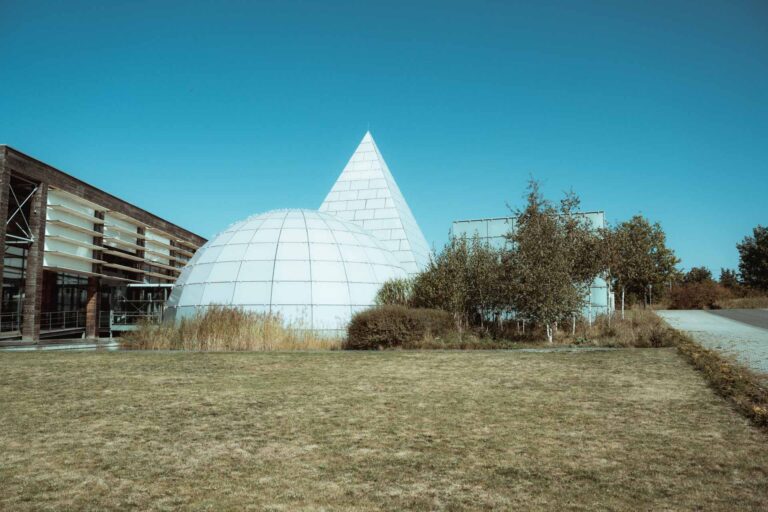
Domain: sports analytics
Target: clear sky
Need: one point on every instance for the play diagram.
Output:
(207, 112)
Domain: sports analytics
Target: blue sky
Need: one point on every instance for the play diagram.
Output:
(207, 112)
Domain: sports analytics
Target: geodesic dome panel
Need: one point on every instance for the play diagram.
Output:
(313, 268)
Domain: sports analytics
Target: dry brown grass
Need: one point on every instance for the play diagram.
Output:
(746, 389)
(220, 328)
(611, 430)
(640, 328)
(756, 302)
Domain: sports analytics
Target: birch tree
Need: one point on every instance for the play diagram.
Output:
(551, 262)
(638, 257)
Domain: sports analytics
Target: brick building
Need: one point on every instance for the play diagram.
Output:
(77, 260)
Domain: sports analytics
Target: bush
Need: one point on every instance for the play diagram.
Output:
(704, 295)
(396, 326)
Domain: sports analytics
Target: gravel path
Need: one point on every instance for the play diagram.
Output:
(747, 343)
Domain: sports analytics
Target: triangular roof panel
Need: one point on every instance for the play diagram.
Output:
(367, 194)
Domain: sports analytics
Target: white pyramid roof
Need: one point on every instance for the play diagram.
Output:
(366, 194)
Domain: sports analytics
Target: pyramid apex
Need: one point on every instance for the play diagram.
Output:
(366, 193)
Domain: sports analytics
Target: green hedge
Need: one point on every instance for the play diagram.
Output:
(396, 326)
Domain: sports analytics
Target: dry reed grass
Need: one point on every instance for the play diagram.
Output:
(226, 329)
(758, 302)
(641, 328)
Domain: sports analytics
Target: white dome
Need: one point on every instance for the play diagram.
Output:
(313, 268)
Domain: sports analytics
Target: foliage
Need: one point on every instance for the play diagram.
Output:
(395, 292)
(697, 295)
(753, 259)
(464, 279)
(221, 328)
(395, 326)
(638, 258)
(698, 275)
(551, 262)
(729, 279)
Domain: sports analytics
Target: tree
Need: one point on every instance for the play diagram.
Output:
(484, 281)
(729, 278)
(753, 259)
(464, 279)
(550, 264)
(395, 292)
(698, 275)
(638, 258)
(443, 285)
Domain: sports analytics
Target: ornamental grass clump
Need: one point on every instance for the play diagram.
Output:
(222, 329)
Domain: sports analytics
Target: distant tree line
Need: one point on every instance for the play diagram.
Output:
(698, 288)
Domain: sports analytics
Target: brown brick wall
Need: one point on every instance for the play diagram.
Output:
(33, 280)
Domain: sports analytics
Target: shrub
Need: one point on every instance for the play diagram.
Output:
(704, 295)
(396, 326)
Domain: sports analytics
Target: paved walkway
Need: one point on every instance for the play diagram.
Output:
(747, 343)
(74, 344)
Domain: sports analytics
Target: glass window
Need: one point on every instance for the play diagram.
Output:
(292, 251)
(224, 272)
(291, 270)
(330, 293)
(218, 293)
(252, 293)
(258, 270)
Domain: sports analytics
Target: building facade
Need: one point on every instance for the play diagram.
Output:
(77, 260)
(494, 230)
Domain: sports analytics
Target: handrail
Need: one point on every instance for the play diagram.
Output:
(51, 320)
(10, 322)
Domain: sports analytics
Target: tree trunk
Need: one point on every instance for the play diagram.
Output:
(622, 303)
(549, 333)
(573, 330)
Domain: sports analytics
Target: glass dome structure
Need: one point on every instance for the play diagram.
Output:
(313, 268)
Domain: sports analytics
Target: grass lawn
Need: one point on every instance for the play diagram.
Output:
(627, 429)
